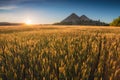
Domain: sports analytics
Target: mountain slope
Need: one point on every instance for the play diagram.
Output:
(84, 18)
(72, 19)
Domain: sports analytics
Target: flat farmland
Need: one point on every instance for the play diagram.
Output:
(52, 52)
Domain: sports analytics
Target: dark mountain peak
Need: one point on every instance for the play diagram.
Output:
(73, 18)
(73, 14)
(84, 18)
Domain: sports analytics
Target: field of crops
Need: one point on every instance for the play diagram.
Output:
(49, 52)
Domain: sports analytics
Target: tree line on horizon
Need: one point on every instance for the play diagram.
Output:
(115, 22)
(93, 23)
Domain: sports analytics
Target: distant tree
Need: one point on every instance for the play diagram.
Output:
(116, 22)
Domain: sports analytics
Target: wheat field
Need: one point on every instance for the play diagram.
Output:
(51, 52)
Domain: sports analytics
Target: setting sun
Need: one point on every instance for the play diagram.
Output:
(28, 22)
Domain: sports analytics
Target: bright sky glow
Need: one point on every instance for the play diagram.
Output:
(28, 22)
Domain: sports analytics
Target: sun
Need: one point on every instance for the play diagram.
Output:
(28, 22)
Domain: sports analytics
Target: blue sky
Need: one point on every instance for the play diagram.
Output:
(51, 11)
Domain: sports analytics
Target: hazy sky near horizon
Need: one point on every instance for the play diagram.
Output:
(51, 11)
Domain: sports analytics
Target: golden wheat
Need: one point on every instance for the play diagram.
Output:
(59, 53)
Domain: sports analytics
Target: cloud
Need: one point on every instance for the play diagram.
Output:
(8, 7)
(17, 2)
(11, 4)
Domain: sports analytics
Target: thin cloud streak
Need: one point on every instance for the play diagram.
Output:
(8, 7)
(16, 2)
(12, 2)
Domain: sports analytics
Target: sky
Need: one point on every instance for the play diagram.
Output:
(52, 11)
